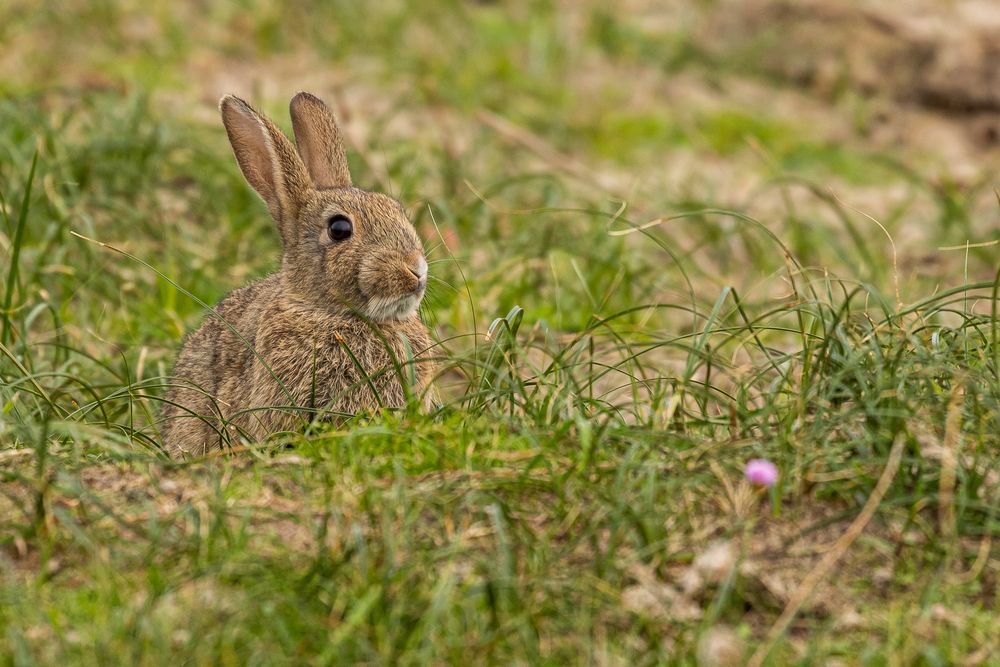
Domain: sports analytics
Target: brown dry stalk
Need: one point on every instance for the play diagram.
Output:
(822, 569)
(726, 484)
(541, 148)
(949, 462)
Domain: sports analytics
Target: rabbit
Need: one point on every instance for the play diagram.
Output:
(335, 328)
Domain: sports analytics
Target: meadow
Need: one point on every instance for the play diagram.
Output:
(652, 260)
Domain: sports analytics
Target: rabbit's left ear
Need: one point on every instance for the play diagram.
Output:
(319, 141)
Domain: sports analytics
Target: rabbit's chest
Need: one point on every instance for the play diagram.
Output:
(342, 350)
(366, 374)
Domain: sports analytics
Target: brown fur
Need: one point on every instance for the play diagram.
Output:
(325, 332)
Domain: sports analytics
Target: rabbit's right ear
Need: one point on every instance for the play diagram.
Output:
(267, 159)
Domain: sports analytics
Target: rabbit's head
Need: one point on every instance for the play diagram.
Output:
(345, 249)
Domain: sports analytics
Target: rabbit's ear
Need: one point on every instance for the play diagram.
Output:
(267, 159)
(320, 143)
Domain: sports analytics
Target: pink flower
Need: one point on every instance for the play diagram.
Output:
(762, 472)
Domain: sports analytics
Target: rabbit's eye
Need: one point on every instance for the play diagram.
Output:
(340, 227)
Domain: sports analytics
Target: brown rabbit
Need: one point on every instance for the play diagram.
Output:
(336, 328)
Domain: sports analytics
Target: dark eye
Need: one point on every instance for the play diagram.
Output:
(340, 227)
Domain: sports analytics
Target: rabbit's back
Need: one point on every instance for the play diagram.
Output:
(211, 371)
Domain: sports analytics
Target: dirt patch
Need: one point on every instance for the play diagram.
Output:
(937, 55)
(123, 499)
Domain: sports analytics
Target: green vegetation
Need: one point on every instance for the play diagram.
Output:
(804, 296)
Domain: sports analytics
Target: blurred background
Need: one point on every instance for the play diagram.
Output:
(808, 116)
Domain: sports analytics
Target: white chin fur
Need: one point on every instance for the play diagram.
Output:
(383, 308)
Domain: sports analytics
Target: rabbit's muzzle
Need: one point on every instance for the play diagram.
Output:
(394, 286)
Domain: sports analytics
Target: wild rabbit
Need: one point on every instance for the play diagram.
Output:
(336, 328)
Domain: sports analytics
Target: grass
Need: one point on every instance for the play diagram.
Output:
(608, 367)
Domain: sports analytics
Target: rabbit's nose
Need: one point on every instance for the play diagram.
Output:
(418, 267)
